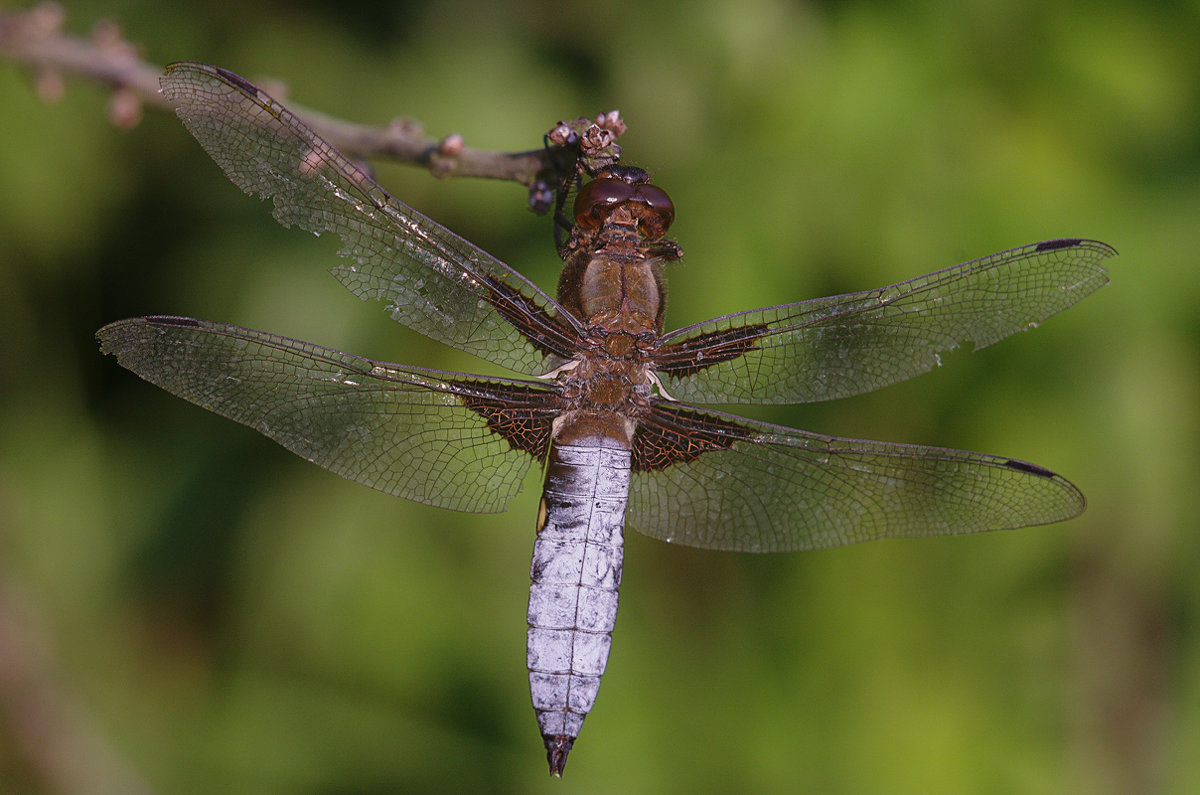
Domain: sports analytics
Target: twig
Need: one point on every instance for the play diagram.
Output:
(35, 40)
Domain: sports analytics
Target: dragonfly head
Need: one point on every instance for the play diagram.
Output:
(624, 186)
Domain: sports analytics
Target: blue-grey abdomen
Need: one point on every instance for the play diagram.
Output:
(573, 597)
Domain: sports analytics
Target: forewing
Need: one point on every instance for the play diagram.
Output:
(432, 280)
(442, 439)
(849, 344)
(715, 481)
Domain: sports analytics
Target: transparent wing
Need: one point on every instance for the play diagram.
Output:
(715, 481)
(432, 280)
(438, 438)
(849, 344)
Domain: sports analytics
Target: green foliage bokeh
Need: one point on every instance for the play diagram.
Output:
(230, 618)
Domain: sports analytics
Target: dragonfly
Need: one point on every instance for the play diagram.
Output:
(616, 411)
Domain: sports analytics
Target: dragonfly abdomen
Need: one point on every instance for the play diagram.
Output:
(576, 571)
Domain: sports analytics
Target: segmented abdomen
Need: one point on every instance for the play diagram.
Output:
(573, 598)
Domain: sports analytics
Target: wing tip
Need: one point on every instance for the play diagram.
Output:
(1080, 501)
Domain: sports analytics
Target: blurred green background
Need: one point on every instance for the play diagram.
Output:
(188, 608)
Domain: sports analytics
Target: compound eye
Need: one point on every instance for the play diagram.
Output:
(659, 206)
(597, 197)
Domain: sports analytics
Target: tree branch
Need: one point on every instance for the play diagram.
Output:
(35, 40)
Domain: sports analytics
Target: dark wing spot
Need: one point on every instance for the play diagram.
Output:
(547, 334)
(1053, 245)
(169, 320)
(668, 435)
(522, 416)
(693, 355)
(1025, 466)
